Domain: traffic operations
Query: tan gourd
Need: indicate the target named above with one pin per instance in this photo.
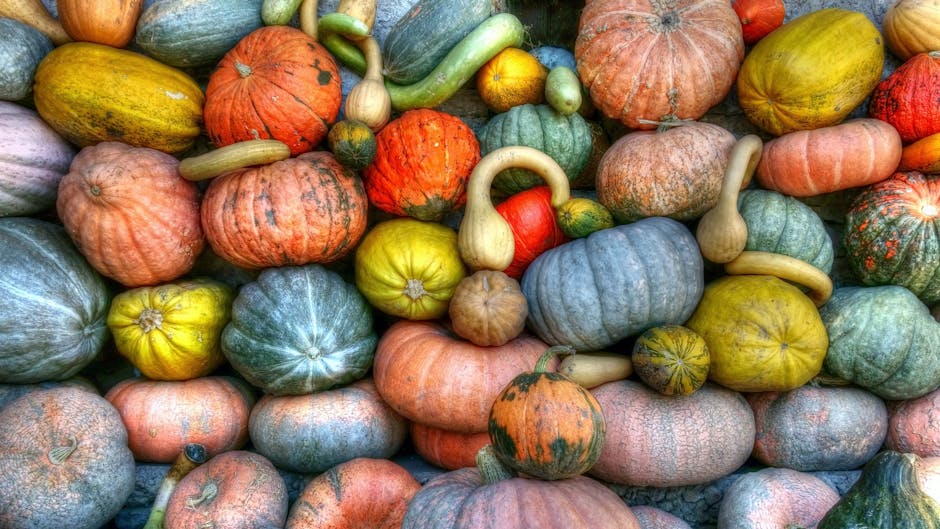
(595, 368)
(191, 456)
(484, 238)
(369, 101)
(35, 14)
(788, 268)
(307, 17)
(231, 157)
(722, 232)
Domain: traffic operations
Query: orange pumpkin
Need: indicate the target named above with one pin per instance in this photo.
(447, 449)
(512, 77)
(422, 162)
(131, 214)
(907, 97)
(644, 61)
(110, 22)
(276, 83)
(923, 155)
(534, 226)
(306, 209)
(759, 17)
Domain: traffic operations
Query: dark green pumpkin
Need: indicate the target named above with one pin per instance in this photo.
(886, 495)
(299, 329)
(21, 49)
(567, 139)
(884, 339)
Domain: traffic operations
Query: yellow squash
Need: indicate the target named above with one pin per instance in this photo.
(171, 331)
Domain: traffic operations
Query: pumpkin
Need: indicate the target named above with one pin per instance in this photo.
(21, 51)
(422, 161)
(815, 428)
(759, 17)
(37, 14)
(883, 339)
(171, 331)
(696, 48)
(890, 234)
(55, 304)
(545, 425)
(209, 410)
(10, 392)
(906, 98)
(811, 72)
(854, 153)
(445, 448)
(63, 460)
(313, 432)
(353, 143)
(909, 27)
(33, 159)
(581, 216)
(910, 425)
(923, 155)
(674, 172)
(409, 268)
(91, 93)
(131, 214)
(576, 291)
(488, 308)
(655, 518)
(458, 380)
(362, 492)
(513, 77)
(277, 83)
(671, 359)
(110, 22)
(657, 440)
(776, 497)
(236, 489)
(299, 329)
(490, 495)
(534, 224)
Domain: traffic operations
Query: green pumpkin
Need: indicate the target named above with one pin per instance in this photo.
(21, 49)
(884, 339)
(567, 139)
(353, 143)
(298, 330)
(886, 495)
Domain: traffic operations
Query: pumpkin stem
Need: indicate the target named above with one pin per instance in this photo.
(209, 491)
(149, 319)
(491, 468)
(414, 289)
(667, 122)
(243, 69)
(541, 366)
(59, 454)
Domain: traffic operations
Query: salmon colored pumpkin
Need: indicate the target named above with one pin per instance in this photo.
(907, 97)
(444, 448)
(131, 214)
(759, 17)
(776, 497)
(512, 77)
(912, 425)
(276, 83)
(534, 226)
(306, 209)
(812, 162)
(110, 22)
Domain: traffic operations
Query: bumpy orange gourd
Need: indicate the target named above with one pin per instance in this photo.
(907, 98)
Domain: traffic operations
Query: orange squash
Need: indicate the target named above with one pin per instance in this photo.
(110, 22)
(444, 448)
(923, 155)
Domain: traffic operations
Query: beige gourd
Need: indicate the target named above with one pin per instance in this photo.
(35, 14)
(232, 157)
(595, 368)
(751, 262)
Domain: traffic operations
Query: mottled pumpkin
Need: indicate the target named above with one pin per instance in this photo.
(353, 143)
(907, 97)
(776, 497)
(672, 359)
(911, 425)
(534, 226)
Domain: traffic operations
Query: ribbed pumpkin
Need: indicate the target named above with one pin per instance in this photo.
(534, 226)
(776, 497)
(907, 97)
(131, 214)
(299, 329)
(306, 209)
(513, 77)
(422, 162)
(90, 93)
(671, 359)
(445, 448)
(488, 308)
(674, 172)
(109, 22)
(891, 236)
(276, 83)
(910, 27)
(21, 51)
(910, 425)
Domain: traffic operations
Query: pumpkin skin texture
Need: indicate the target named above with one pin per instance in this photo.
(297, 330)
(592, 292)
(276, 83)
(763, 333)
(91, 93)
(534, 226)
(775, 497)
(854, 153)
(444, 448)
(360, 493)
(890, 234)
(488, 308)
(64, 460)
(696, 49)
(910, 27)
(56, 305)
(109, 22)
(306, 209)
(663, 441)
(21, 51)
(911, 425)
(656, 518)
(162, 417)
(457, 379)
(236, 489)
(883, 339)
(131, 214)
(815, 428)
(907, 97)
(423, 159)
(673, 173)
(671, 359)
(811, 72)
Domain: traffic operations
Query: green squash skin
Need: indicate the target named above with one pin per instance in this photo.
(21, 49)
(298, 330)
(567, 139)
(887, 494)
(55, 304)
(782, 224)
(884, 339)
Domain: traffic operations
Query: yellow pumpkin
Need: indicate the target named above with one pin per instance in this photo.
(172, 331)
(763, 333)
(512, 77)
(91, 93)
(672, 359)
(811, 72)
(409, 268)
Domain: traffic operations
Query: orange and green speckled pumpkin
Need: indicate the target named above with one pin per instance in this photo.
(353, 143)
(907, 98)
(545, 425)
(671, 359)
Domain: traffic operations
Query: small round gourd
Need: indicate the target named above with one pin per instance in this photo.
(513, 77)
(488, 308)
(672, 359)
(353, 143)
(581, 216)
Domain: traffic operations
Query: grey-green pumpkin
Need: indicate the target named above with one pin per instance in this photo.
(21, 49)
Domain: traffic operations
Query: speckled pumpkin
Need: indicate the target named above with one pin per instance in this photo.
(672, 359)
(907, 97)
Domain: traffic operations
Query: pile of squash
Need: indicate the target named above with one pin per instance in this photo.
(245, 238)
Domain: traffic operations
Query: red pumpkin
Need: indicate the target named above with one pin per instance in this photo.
(447, 449)
(759, 17)
(534, 226)
(276, 83)
(907, 97)
(306, 209)
(422, 162)
(912, 425)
